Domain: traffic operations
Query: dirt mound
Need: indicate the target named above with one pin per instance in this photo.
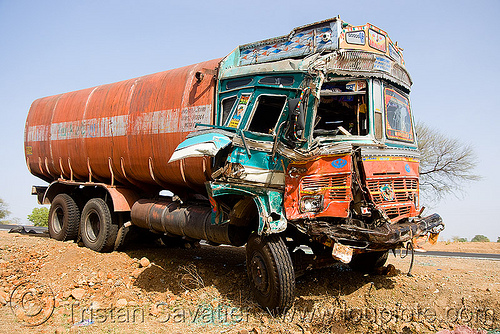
(153, 289)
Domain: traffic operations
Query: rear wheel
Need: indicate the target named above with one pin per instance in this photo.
(368, 262)
(64, 218)
(97, 229)
(270, 270)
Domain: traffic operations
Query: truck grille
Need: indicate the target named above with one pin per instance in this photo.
(404, 189)
(337, 186)
(405, 193)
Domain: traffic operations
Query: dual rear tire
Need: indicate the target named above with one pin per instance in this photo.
(64, 218)
(95, 225)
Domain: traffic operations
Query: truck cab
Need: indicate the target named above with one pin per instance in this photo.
(320, 138)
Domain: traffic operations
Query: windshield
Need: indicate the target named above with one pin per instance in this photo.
(398, 122)
(342, 109)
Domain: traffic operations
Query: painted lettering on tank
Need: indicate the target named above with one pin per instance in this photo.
(156, 122)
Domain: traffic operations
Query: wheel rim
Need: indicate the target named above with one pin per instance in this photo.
(57, 219)
(259, 273)
(93, 226)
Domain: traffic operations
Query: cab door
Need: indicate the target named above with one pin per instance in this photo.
(258, 133)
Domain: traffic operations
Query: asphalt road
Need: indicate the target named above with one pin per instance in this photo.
(456, 255)
(477, 256)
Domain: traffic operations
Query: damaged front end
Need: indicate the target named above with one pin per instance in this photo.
(313, 157)
(320, 150)
(356, 200)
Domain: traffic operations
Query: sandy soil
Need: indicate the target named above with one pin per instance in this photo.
(465, 247)
(58, 285)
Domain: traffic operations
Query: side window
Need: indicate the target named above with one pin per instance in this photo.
(398, 122)
(267, 113)
(226, 106)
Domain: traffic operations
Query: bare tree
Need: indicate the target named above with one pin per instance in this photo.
(446, 164)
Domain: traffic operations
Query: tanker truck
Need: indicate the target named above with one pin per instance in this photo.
(301, 148)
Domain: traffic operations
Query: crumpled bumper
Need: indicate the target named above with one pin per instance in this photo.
(387, 236)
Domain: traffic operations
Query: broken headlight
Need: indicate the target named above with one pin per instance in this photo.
(295, 172)
(311, 203)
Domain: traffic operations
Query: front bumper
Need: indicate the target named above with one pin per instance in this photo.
(385, 237)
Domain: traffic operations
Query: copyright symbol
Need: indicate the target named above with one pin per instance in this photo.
(32, 303)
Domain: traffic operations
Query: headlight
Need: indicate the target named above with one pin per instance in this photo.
(295, 172)
(311, 203)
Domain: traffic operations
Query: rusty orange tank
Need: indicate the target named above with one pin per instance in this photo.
(124, 131)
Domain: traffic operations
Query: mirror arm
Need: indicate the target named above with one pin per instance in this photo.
(276, 138)
(244, 140)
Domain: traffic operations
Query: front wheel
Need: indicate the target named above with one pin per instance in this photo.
(97, 229)
(270, 270)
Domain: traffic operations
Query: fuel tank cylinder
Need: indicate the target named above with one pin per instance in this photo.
(124, 132)
(187, 220)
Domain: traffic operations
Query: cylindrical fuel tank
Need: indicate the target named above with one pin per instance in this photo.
(124, 132)
(188, 220)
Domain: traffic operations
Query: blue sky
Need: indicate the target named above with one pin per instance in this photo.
(451, 49)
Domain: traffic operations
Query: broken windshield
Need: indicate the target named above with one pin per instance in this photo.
(342, 109)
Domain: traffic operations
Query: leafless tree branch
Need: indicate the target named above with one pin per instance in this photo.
(446, 164)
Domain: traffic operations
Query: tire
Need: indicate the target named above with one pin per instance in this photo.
(96, 228)
(271, 274)
(64, 218)
(368, 262)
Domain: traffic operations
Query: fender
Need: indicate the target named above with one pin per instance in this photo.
(122, 198)
(269, 203)
(201, 143)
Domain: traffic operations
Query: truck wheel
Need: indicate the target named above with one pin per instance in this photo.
(97, 229)
(368, 262)
(270, 270)
(64, 218)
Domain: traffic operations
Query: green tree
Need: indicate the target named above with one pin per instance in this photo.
(4, 212)
(498, 240)
(39, 216)
(480, 238)
(446, 164)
